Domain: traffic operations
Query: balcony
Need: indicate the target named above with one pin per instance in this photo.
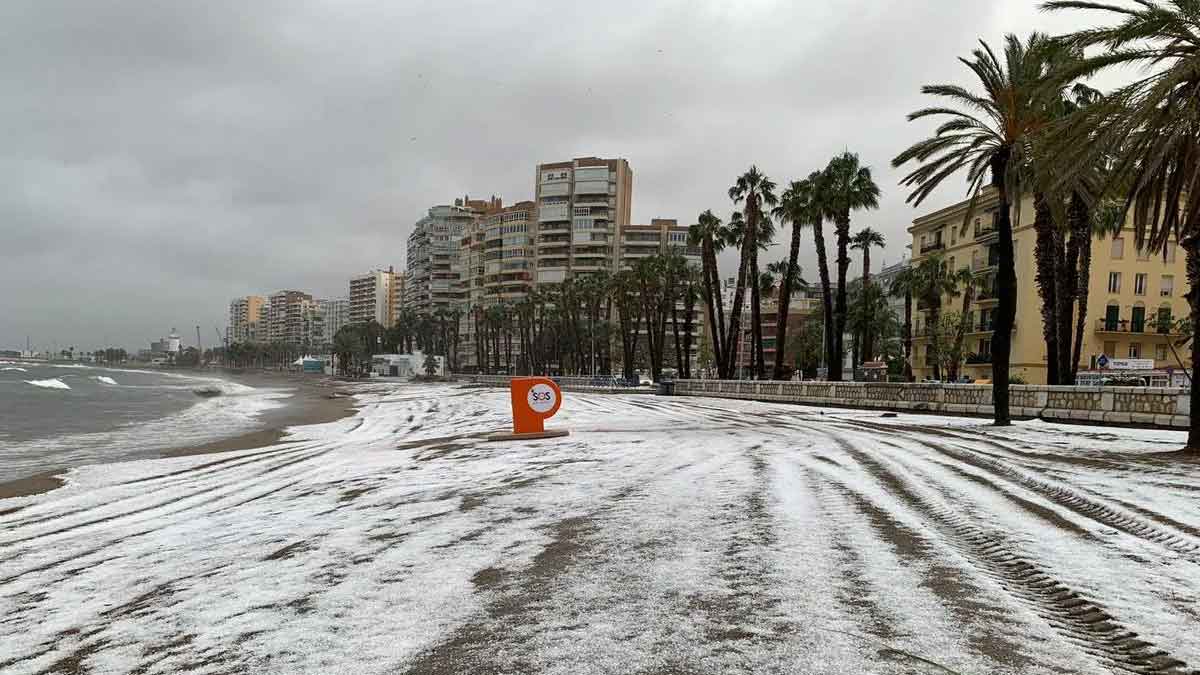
(978, 359)
(932, 246)
(984, 266)
(554, 212)
(986, 233)
(1145, 326)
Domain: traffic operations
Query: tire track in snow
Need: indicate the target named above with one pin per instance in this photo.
(1177, 542)
(1077, 618)
(978, 621)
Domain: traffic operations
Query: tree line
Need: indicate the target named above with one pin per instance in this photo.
(1089, 161)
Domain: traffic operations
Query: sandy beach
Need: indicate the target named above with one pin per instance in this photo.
(317, 400)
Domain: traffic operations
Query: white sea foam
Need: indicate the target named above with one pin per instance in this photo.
(54, 383)
(103, 379)
(14, 368)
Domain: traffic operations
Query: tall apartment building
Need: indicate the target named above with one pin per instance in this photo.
(373, 297)
(245, 317)
(335, 313)
(399, 294)
(1132, 296)
(433, 253)
(294, 318)
(496, 264)
(662, 235)
(582, 205)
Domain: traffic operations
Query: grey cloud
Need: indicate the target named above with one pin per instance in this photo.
(161, 158)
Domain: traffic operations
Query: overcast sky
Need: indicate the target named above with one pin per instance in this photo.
(160, 158)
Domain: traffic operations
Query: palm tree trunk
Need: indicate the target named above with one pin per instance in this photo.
(868, 341)
(826, 296)
(678, 342)
(784, 302)
(712, 292)
(934, 330)
(735, 313)
(689, 305)
(1044, 254)
(908, 309)
(1006, 310)
(1081, 298)
(843, 263)
(1079, 263)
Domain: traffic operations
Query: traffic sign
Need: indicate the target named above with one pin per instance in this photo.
(1102, 361)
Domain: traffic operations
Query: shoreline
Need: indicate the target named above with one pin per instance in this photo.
(319, 400)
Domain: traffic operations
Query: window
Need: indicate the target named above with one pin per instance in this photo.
(1167, 286)
(1171, 252)
(1163, 323)
(1137, 319)
(1143, 253)
(1114, 282)
(985, 347)
(1160, 352)
(1118, 248)
(1139, 283)
(1135, 350)
(1110, 349)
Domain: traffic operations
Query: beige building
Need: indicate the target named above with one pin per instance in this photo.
(582, 205)
(294, 318)
(1130, 294)
(373, 297)
(399, 294)
(496, 264)
(245, 317)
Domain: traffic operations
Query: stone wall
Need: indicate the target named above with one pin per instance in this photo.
(580, 384)
(1165, 407)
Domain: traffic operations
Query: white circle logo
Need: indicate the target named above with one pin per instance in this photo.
(542, 398)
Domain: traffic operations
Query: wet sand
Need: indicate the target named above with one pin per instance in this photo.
(317, 400)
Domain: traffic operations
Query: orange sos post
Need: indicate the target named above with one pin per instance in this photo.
(534, 400)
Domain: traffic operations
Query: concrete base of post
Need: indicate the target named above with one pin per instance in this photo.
(510, 436)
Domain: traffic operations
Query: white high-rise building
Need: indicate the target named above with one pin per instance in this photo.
(582, 205)
(335, 313)
(372, 297)
(433, 253)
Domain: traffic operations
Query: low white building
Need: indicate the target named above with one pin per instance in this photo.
(403, 365)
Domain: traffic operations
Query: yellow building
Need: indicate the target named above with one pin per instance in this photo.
(1129, 294)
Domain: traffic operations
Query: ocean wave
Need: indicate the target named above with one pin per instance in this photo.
(54, 383)
(222, 388)
(14, 368)
(102, 379)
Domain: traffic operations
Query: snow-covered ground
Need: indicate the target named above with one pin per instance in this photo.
(664, 535)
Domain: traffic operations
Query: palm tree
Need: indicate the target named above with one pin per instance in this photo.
(757, 192)
(845, 186)
(863, 240)
(988, 134)
(964, 278)
(1149, 127)
(798, 208)
(932, 280)
(708, 234)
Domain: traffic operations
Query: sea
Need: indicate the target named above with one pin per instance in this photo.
(54, 416)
